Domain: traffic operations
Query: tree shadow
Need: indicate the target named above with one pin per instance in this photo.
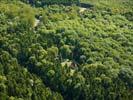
(85, 5)
(80, 4)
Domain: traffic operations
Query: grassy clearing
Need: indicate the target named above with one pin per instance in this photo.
(121, 6)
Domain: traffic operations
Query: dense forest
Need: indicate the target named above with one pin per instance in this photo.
(53, 51)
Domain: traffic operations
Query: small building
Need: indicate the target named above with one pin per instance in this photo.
(68, 63)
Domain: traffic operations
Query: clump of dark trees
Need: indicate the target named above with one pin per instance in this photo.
(49, 2)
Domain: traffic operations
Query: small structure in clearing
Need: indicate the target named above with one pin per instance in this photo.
(82, 9)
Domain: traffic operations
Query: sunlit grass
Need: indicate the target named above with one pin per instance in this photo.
(119, 6)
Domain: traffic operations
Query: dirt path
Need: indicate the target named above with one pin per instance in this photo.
(36, 22)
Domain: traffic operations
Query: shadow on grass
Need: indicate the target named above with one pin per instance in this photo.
(84, 5)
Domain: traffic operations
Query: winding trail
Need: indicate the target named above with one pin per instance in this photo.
(36, 23)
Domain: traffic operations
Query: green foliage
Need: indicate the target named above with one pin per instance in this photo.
(57, 52)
